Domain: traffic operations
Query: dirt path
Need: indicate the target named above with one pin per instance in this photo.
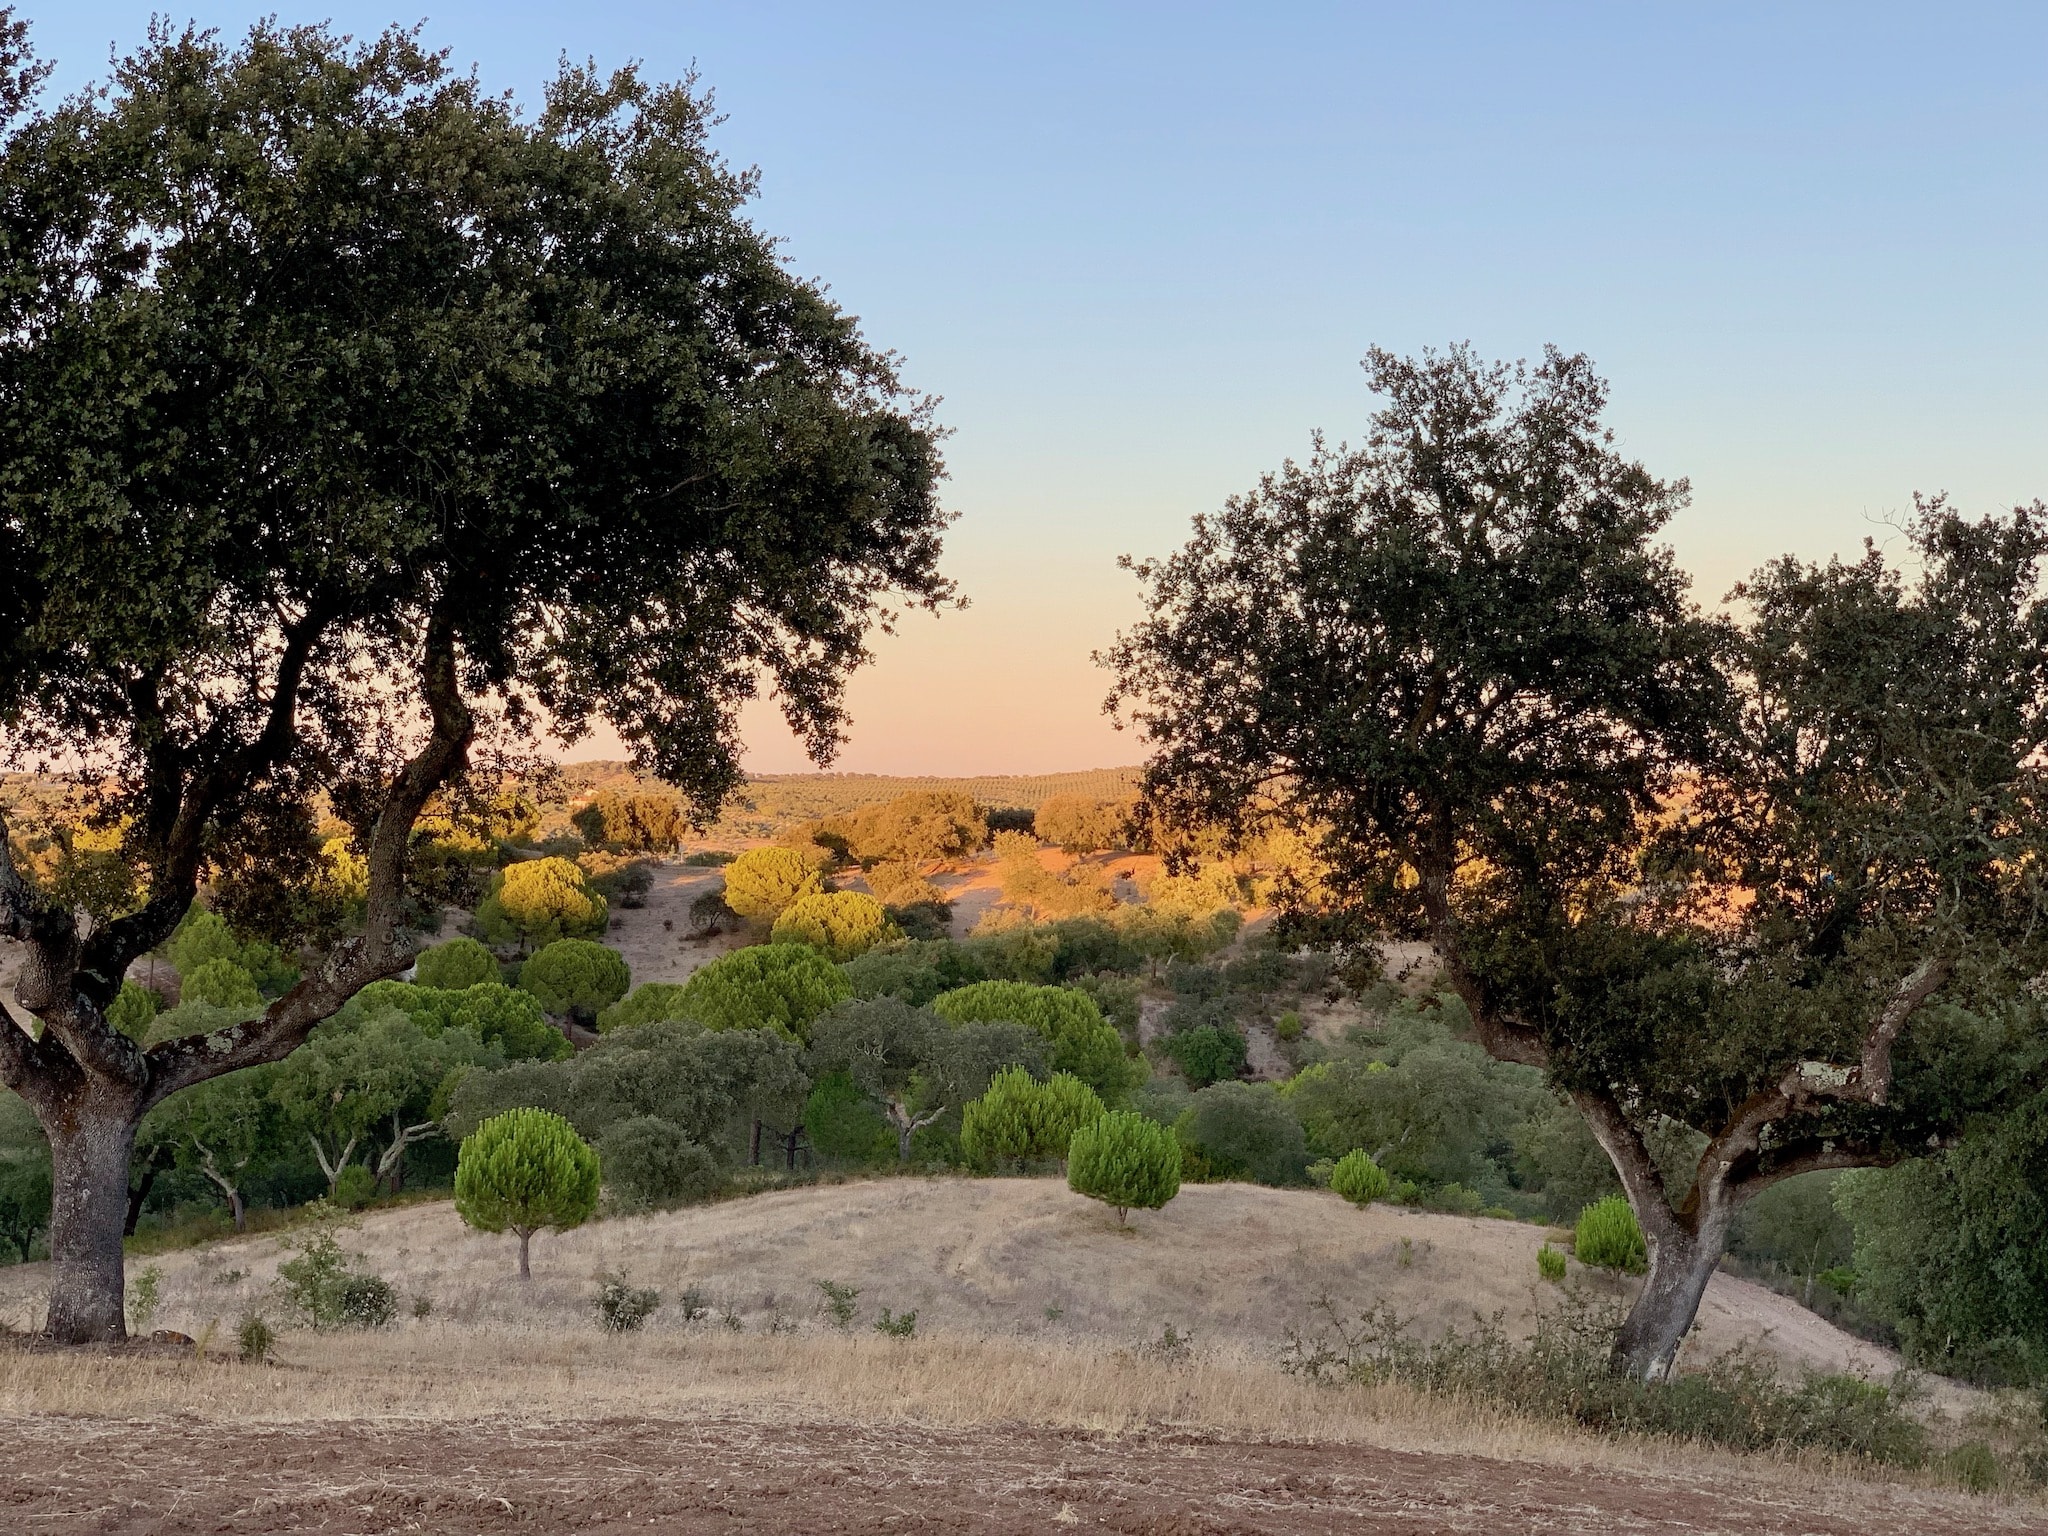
(153, 1478)
(655, 938)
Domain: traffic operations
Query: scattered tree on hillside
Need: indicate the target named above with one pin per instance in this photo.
(635, 823)
(220, 1128)
(841, 924)
(1126, 1162)
(762, 883)
(576, 977)
(402, 415)
(1078, 824)
(537, 902)
(1244, 1131)
(1083, 1043)
(894, 1053)
(522, 1171)
(765, 986)
(455, 965)
(1772, 884)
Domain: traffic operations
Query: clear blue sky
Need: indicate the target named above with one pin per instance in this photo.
(1139, 250)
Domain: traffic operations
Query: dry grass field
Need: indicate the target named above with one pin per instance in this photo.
(1034, 1395)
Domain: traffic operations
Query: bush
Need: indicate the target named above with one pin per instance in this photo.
(902, 885)
(649, 1003)
(1358, 1178)
(843, 924)
(510, 1020)
(1126, 1162)
(254, 1339)
(1018, 1119)
(620, 1307)
(328, 1287)
(1288, 1026)
(761, 884)
(576, 977)
(1083, 1042)
(1083, 825)
(133, 1010)
(538, 901)
(524, 1170)
(355, 1187)
(1245, 1131)
(647, 1161)
(221, 984)
(1609, 1237)
(199, 937)
(766, 986)
(1550, 1264)
(454, 966)
(1207, 1054)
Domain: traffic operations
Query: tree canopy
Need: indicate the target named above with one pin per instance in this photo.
(408, 417)
(1770, 882)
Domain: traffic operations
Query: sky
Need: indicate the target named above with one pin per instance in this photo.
(1139, 250)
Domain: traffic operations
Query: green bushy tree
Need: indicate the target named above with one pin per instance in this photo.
(1206, 1054)
(650, 1162)
(222, 983)
(1359, 1179)
(763, 883)
(648, 1003)
(840, 924)
(1019, 1118)
(457, 964)
(539, 902)
(1126, 1162)
(1082, 1041)
(133, 1010)
(523, 1171)
(1609, 1237)
(454, 337)
(765, 986)
(1245, 1131)
(576, 977)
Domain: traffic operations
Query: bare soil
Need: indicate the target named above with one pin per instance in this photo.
(740, 1474)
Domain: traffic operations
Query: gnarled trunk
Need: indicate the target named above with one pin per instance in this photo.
(1682, 1261)
(88, 1207)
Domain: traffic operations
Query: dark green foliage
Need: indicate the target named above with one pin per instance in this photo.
(1359, 1179)
(455, 965)
(1564, 1373)
(133, 1009)
(1125, 1161)
(254, 1339)
(1608, 1237)
(916, 1068)
(1952, 1252)
(1206, 1054)
(649, 1162)
(1245, 1131)
(24, 1200)
(1082, 1042)
(636, 823)
(500, 1016)
(712, 1084)
(621, 1306)
(842, 1121)
(1795, 1229)
(354, 1188)
(897, 1326)
(576, 977)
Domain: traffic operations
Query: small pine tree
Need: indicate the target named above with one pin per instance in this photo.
(1065, 1104)
(223, 983)
(762, 883)
(1002, 1125)
(1125, 1161)
(577, 977)
(843, 924)
(1359, 1179)
(524, 1170)
(1609, 1237)
(455, 966)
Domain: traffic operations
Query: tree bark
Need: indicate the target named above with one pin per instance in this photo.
(88, 1183)
(138, 1194)
(1681, 1263)
(525, 1235)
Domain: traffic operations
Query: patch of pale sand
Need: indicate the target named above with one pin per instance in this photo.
(1235, 1265)
(658, 953)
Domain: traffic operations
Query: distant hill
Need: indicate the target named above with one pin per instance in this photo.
(773, 802)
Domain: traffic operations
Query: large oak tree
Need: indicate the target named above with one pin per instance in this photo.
(352, 421)
(1767, 890)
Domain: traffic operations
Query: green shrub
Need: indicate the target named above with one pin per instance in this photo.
(647, 1161)
(1245, 1131)
(1974, 1466)
(1550, 1263)
(761, 884)
(1358, 1178)
(453, 966)
(1126, 1162)
(1288, 1025)
(576, 977)
(652, 1002)
(1065, 1104)
(221, 984)
(842, 1122)
(843, 924)
(840, 1302)
(511, 1020)
(1609, 1237)
(329, 1288)
(524, 1170)
(622, 1308)
(145, 1295)
(133, 1009)
(1018, 1118)
(354, 1188)
(254, 1339)
(1207, 1054)
(897, 1327)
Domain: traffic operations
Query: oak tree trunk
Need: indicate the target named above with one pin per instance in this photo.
(1681, 1264)
(89, 1155)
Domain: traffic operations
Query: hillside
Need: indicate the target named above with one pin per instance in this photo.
(1234, 1266)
